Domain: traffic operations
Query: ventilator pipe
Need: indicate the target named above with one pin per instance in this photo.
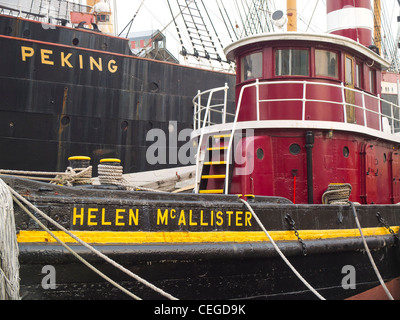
(309, 148)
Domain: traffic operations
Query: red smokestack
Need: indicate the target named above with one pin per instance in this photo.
(352, 19)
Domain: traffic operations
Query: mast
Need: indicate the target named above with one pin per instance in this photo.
(378, 24)
(292, 15)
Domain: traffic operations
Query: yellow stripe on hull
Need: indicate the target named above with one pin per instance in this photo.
(108, 237)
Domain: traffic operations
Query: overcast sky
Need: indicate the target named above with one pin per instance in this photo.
(155, 14)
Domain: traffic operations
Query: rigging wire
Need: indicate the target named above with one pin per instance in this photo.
(223, 19)
(230, 22)
(131, 22)
(215, 31)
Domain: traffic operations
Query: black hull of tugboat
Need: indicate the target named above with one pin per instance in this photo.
(200, 246)
(208, 272)
(67, 92)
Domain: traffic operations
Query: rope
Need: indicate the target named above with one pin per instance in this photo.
(111, 174)
(280, 252)
(69, 177)
(9, 265)
(92, 249)
(369, 253)
(73, 252)
(74, 176)
(337, 193)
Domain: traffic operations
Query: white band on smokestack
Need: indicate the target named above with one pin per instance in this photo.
(350, 18)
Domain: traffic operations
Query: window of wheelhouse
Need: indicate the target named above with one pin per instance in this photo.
(292, 62)
(251, 66)
(349, 75)
(359, 75)
(372, 80)
(326, 63)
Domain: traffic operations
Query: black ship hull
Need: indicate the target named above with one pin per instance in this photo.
(200, 246)
(67, 92)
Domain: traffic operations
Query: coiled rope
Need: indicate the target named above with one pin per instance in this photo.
(280, 252)
(337, 193)
(19, 199)
(109, 174)
(9, 265)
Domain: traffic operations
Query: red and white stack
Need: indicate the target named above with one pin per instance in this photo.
(352, 19)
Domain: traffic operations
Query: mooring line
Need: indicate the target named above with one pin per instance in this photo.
(90, 266)
(369, 253)
(17, 196)
(280, 252)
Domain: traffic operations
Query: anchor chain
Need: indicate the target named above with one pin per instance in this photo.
(292, 225)
(384, 223)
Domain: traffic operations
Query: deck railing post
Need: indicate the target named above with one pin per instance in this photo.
(303, 117)
(225, 102)
(364, 110)
(258, 99)
(379, 113)
(344, 102)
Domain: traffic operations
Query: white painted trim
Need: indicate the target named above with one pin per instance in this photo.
(297, 124)
(350, 18)
(301, 36)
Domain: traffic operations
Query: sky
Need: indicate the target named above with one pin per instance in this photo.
(155, 14)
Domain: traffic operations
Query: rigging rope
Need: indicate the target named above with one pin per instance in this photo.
(9, 265)
(280, 252)
(369, 253)
(86, 245)
(90, 266)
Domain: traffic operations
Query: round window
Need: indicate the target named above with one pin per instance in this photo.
(295, 149)
(346, 152)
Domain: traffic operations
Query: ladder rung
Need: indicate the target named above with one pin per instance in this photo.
(214, 163)
(217, 148)
(215, 176)
(222, 136)
(219, 191)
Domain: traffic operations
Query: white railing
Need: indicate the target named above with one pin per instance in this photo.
(375, 102)
(210, 107)
(388, 123)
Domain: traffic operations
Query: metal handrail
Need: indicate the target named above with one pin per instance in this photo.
(377, 99)
(257, 84)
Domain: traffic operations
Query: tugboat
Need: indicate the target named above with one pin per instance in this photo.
(295, 192)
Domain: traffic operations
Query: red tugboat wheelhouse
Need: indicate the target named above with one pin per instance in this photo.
(313, 103)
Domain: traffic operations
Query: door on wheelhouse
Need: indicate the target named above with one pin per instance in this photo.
(350, 94)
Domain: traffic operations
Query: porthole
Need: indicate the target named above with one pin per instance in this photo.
(154, 87)
(75, 41)
(346, 152)
(295, 149)
(26, 33)
(65, 120)
(124, 125)
(260, 153)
